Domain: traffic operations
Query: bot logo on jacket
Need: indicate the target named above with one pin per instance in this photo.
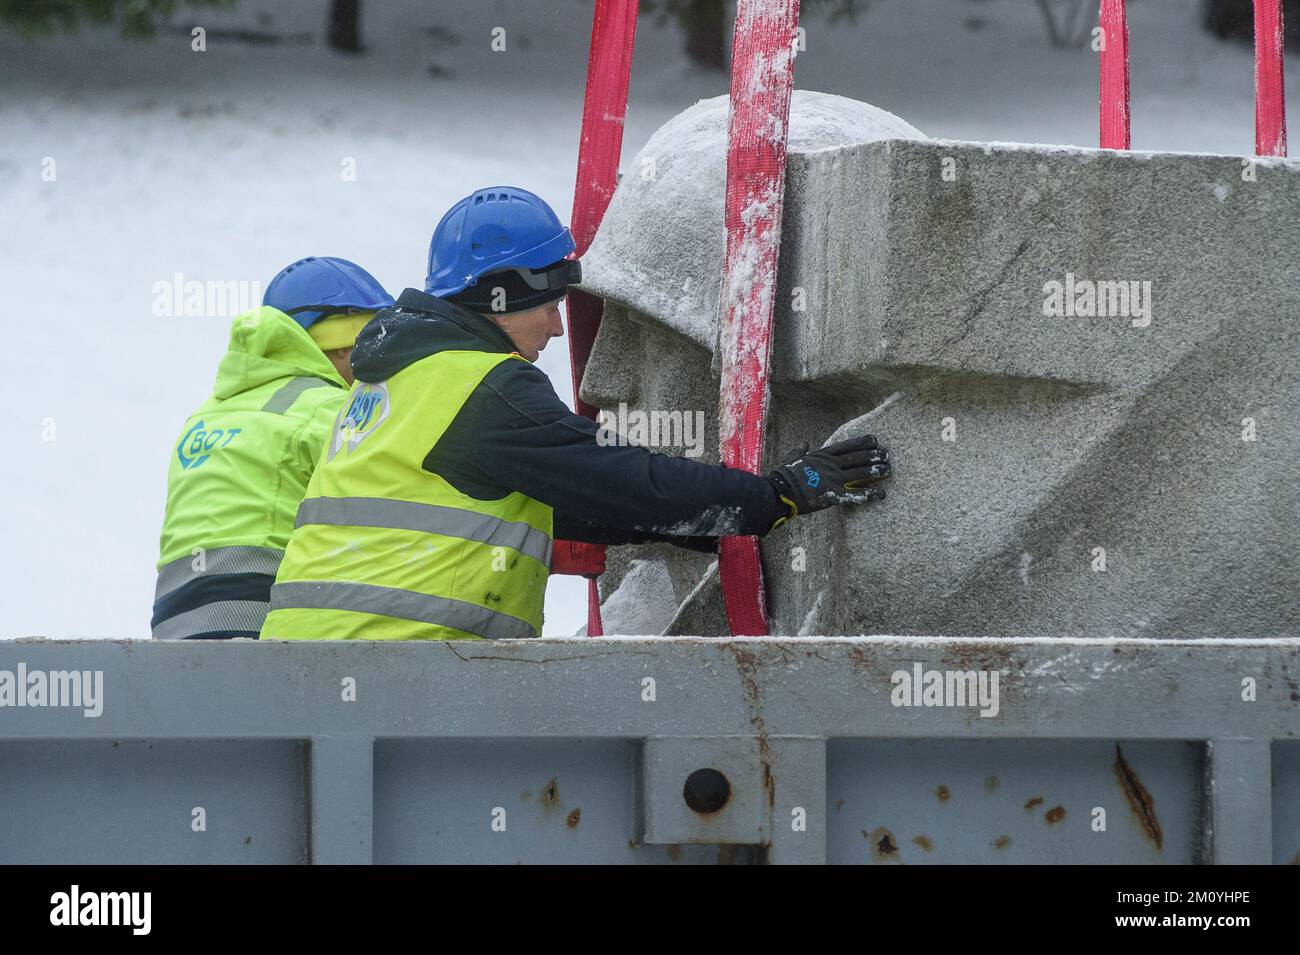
(361, 417)
(198, 444)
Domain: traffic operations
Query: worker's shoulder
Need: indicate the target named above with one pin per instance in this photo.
(518, 374)
(523, 387)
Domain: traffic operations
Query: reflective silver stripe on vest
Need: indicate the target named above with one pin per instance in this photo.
(281, 401)
(429, 518)
(393, 602)
(218, 560)
(221, 615)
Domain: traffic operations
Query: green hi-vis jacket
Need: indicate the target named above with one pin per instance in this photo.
(238, 473)
(386, 550)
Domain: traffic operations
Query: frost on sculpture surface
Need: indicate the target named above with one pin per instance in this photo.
(1085, 365)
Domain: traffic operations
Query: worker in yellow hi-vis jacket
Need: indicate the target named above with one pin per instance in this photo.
(241, 465)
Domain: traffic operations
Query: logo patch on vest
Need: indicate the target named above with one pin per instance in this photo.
(199, 443)
(361, 417)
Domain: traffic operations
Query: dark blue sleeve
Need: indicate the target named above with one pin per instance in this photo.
(515, 434)
(570, 528)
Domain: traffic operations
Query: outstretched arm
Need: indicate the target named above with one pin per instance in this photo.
(515, 434)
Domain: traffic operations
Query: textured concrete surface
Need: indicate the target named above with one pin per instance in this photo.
(1056, 474)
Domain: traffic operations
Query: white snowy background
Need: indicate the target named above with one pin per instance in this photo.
(226, 165)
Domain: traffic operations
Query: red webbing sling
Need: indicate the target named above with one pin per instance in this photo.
(609, 68)
(1114, 100)
(1270, 87)
(762, 76)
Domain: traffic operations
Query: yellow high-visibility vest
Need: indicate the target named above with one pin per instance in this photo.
(385, 550)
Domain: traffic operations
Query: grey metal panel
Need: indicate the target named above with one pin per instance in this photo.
(776, 795)
(105, 801)
(341, 799)
(1238, 790)
(798, 769)
(557, 800)
(816, 687)
(1001, 801)
(667, 764)
(400, 752)
(1286, 803)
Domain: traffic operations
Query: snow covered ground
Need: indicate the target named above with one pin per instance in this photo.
(228, 164)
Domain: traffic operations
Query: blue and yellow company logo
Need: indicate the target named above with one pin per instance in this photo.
(366, 410)
(199, 443)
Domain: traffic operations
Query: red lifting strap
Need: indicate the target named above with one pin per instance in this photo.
(1114, 76)
(609, 69)
(1270, 87)
(762, 76)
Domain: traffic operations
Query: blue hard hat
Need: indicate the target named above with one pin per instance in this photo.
(498, 228)
(317, 286)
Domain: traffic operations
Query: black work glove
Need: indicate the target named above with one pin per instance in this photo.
(840, 473)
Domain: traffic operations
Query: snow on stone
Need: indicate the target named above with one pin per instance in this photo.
(681, 206)
(809, 625)
(644, 602)
(857, 426)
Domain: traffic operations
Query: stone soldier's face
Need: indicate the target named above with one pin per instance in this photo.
(531, 330)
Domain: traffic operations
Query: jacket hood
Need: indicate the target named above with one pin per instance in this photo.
(418, 326)
(266, 345)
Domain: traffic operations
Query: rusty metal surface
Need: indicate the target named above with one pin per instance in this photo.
(580, 751)
(1009, 801)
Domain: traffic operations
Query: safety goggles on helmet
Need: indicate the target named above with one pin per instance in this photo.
(564, 273)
